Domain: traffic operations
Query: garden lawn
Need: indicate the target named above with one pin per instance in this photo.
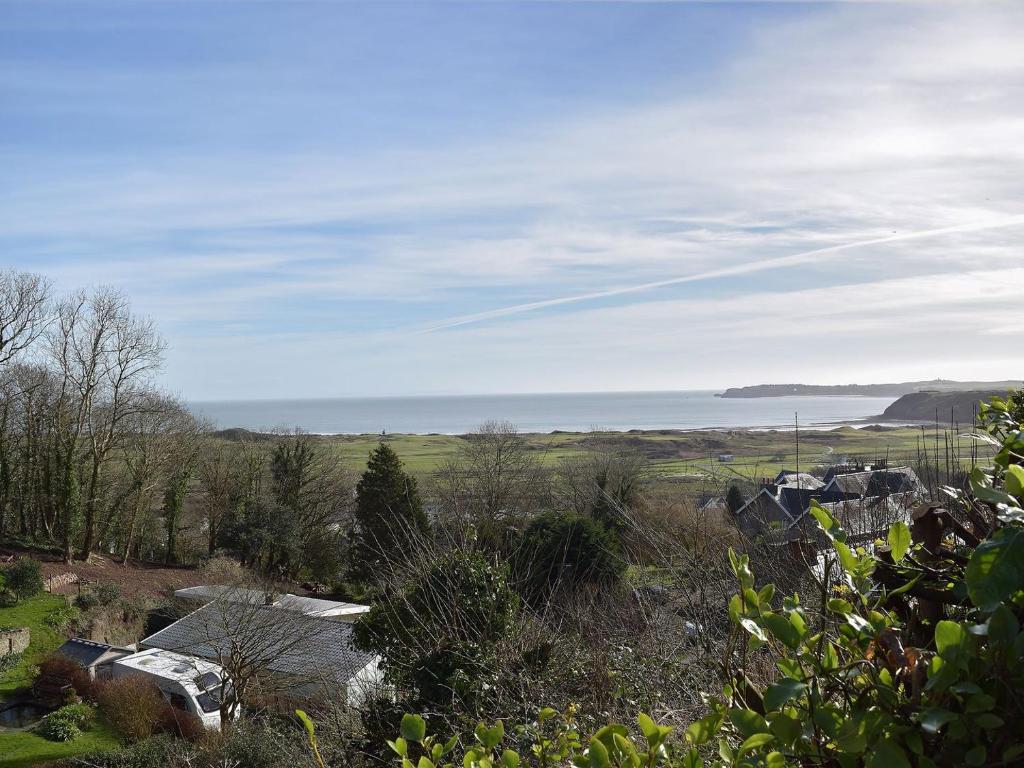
(30, 613)
(20, 748)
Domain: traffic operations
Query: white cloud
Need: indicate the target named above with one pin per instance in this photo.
(859, 123)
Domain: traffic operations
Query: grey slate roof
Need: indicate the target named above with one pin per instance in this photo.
(877, 482)
(88, 652)
(287, 643)
(796, 500)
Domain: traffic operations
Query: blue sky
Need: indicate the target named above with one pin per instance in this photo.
(328, 198)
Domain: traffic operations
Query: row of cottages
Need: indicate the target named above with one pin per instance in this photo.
(302, 647)
(866, 501)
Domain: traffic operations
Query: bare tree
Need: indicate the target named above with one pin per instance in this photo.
(24, 298)
(105, 357)
(151, 433)
(497, 477)
(608, 472)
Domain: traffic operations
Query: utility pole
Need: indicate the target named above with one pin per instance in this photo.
(796, 425)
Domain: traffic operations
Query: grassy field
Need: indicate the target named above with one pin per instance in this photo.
(20, 748)
(30, 613)
(683, 457)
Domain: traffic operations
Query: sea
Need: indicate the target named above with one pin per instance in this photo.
(566, 412)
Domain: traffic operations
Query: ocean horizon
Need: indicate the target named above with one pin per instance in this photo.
(540, 413)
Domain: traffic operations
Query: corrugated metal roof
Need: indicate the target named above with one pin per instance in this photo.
(312, 606)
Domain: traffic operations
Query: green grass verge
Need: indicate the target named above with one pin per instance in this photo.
(30, 613)
(21, 748)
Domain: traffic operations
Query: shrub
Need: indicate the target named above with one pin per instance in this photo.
(10, 661)
(61, 617)
(437, 632)
(67, 723)
(24, 578)
(184, 725)
(568, 549)
(67, 672)
(162, 750)
(133, 705)
(99, 594)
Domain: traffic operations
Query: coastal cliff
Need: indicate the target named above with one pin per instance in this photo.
(947, 407)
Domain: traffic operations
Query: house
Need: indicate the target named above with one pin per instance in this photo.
(712, 503)
(763, 515)
(308, 606)
(96, 658)
(865, 501)
(301, 654)
(872, 482)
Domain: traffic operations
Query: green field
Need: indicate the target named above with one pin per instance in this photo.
(688, 457)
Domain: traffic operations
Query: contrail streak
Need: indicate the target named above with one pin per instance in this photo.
(739, 269)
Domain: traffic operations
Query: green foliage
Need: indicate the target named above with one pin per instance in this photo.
(734, 499)
(551, 740)
(389, 512)
(564, 548)
(62, 617)
(437, 634)
(9, 661)
(23, 578)
(98, 595)
(311, 734)
(67, 723)
(174, 506)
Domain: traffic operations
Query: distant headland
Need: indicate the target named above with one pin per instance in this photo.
(867, 390)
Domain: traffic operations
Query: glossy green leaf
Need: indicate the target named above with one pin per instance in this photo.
(780, 627)
(754, 742)
(785, 690)
(413, 728)
(949, 637)
(899, 540)
(996, 568)
(748, 722)
(933, 719)
(886, 754)
(598, 755)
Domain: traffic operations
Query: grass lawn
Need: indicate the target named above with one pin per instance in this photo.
(18, 749)
(30, 613)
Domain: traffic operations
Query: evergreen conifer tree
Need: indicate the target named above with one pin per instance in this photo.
(734, 499)
(389, 512)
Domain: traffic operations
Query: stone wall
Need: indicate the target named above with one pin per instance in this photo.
(14, 640)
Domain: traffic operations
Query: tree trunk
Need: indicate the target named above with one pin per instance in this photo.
(89, 526)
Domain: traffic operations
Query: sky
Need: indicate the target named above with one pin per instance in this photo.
(319, 199)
